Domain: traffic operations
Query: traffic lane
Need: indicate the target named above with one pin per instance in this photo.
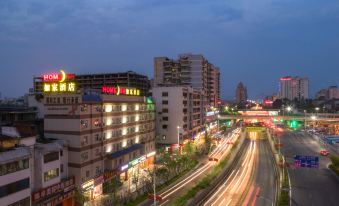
(311, 147)
(232, 189)
(309, 186)
(266, 180)
(170, 194)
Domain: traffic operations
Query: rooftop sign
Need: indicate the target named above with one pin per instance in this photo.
(120, 91)
(61, 82)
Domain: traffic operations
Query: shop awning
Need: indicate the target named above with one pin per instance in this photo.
(125, 151)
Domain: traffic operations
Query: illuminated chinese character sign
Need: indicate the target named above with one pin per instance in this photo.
(62, 82)
(120, 91)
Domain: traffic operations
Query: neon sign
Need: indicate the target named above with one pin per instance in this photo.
(54, 83)
(58, 77)
(120, 91)
(285, 78)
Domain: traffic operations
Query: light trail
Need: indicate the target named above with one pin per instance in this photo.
(222, 149)
(236, 182)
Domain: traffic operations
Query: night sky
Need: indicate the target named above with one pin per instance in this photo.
(253, 41)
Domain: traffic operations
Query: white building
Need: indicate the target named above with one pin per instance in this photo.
(31, 171)
(177, 106)
(294, 88)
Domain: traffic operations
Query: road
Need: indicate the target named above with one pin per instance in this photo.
(252, 180)
(310, 187)
(169, 194)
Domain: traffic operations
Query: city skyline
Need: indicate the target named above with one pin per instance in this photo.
(263, 40)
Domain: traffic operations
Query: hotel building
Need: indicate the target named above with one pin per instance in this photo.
(109, 132)
(294, 88)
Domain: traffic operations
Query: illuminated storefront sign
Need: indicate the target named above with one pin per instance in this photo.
(120, 91)
(54, 83)
(54, 189)
(124, 167)
(88, 185)
(150, 154)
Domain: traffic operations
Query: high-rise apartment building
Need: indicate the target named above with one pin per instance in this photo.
(179, 112)
(241, 93)
(327, 94)
(192, 70)
(294, 88)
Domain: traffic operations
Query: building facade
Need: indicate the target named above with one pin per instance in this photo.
(328, 94)
(33, 173)
(192, 70)
(111, 131)
(294, 88)
(241, 93)
(179, 113)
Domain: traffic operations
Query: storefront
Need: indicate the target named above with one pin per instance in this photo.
(93, 188)
(61, 193)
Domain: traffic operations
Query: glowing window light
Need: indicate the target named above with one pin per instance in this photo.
(109, 121)
(109, 148)
(137, 118)
(124, 119)
(137, 128)
(124, 107)
(124, 143)
(137, 107)
(108, 108)
(124, 131)
(137, 139)
(109, 135)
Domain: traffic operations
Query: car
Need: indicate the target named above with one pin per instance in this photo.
(324, 152)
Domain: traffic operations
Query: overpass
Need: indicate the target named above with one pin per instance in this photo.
(330, 117)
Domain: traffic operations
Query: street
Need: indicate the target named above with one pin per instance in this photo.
(310, 186)
(252, 180)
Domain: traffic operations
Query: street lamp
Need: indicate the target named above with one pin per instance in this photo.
(289, 108)
(178, 127)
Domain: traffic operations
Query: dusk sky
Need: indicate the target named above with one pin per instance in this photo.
(253, 41)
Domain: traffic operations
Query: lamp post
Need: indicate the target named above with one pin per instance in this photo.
(305, 120)
(154, 197)
(178, 127)
(317, 110)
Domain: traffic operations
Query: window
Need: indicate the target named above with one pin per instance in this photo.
(165, 118)
(14, 166)
(164, 126)
(97, 170)
(84, 140)
(165, 94)
(84, 156)
(84, 123)
(14, 187)
(61, 152)
(164, 110)
(87, 173)
(52, 156)
(164, 102)
(51, 174)
(24, 202)
(83, 108)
